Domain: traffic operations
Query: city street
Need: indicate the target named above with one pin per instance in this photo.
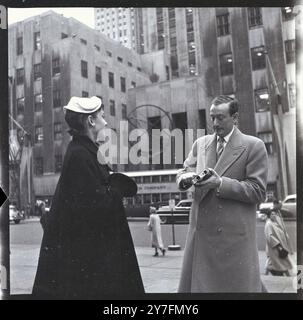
(30, 233)
(158, 274)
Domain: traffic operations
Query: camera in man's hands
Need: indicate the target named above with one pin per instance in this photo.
(203, 176)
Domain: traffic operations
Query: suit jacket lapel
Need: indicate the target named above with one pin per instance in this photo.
(231, 153)
(211, 153)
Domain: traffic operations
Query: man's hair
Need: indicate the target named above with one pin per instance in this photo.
(232, 103)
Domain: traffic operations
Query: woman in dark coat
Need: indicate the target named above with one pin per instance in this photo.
(87, 251)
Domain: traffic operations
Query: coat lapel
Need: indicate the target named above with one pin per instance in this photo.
(231, 153)
(211, 153)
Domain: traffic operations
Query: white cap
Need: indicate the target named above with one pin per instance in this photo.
(84, 105)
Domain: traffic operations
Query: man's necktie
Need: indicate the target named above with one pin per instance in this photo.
(220, 147)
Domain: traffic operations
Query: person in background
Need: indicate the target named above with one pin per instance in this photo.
(154, 225)
(278, 261)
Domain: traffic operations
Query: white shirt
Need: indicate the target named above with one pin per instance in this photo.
(227, 137)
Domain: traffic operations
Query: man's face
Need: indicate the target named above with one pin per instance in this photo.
(222, 121)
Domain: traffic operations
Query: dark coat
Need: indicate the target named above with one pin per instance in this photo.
(87, 250)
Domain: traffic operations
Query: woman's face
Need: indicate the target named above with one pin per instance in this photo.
(99, 124)
(273, 217)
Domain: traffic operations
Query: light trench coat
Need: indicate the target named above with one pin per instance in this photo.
(276, 234)
(221, 250)
(154, 226)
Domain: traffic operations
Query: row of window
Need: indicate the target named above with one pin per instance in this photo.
(38, 165)
(150, 198)
(58, 133)
(258, 59)
(111, 76)
(254, 19)
(56, 60)
(155, 179)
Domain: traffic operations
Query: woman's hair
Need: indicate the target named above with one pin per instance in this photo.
(77, 122)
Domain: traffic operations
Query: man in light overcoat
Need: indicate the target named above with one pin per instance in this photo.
(221, 249)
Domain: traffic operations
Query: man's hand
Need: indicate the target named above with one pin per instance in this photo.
(214, 181)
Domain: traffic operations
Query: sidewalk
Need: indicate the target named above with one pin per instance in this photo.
(159, 274)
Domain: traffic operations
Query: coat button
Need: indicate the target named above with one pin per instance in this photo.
(219, 230)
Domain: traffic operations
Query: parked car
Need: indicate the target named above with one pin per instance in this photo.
(289, 207)
(180, 214)
(14, 214)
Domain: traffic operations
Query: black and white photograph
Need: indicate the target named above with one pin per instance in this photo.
(150, 150)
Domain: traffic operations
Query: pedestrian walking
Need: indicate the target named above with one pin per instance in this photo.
(87, 250)
(154, 225)
(278, 250)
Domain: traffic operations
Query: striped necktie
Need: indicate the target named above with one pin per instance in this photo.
(220, 147)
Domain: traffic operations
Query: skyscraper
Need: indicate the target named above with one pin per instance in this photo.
(117, 24)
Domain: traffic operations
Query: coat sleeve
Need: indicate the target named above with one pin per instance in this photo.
(253, 188)
(189, 167)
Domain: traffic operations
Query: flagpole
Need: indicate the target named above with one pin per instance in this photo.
(277, 123)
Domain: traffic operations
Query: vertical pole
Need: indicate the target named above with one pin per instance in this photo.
(173, 225)
(4, 162)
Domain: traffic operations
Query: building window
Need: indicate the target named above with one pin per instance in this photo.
(37, 71)
(20, 76)
(258, 58)
(111, 80)
(254, 17)
(129, 64)
(133, 84)
(124, 111)
(58, 163)
(226, 64)
(97, 47)
(38, 167)
(83, 41)
(56, 66)
(20, 106)
(19, 45)
(223, 25)
(63, 35)
(112, 108)
(122, 82)
(167, 72)
(37, 41)
(38, 134)
(262, 100)
(98, 75)
(38, 102)
(84, 94)
(109, 54)
(290, 51)
(57, 131)
(267, 138)
(84, 69)
(56, 98)
(120, 59)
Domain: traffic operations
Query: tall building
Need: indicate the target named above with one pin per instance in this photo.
(248, 53)
(52, 58)
(118, 24)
